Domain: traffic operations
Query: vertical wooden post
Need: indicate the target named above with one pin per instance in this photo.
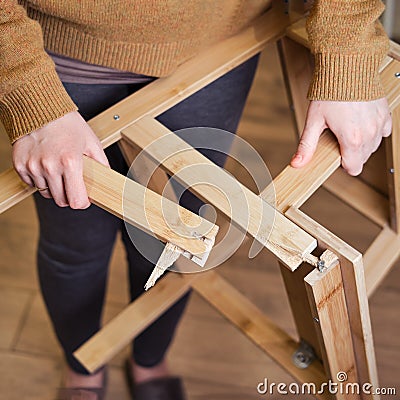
(300, 306)
(393, 167)
(327, 299)
(297, 71)
(257, 326)
(354, 287)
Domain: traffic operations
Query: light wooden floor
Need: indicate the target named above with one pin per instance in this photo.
(216, 361)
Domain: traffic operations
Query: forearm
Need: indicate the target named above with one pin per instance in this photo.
(349, 44)
(31, 94)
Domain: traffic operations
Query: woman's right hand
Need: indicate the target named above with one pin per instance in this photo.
(51, 158)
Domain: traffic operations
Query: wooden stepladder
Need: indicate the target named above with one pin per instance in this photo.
(328, 295)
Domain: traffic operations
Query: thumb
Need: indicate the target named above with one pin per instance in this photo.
(96, 152)
(99, 155)
(307, 146)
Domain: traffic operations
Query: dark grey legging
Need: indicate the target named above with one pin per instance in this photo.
(75, 245)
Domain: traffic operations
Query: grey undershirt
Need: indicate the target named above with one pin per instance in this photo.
(74, 71)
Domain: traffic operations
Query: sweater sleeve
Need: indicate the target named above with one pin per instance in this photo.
(31, 94)
(349, 44)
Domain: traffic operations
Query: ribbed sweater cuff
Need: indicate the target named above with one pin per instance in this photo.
(34, 105)
(341, 77)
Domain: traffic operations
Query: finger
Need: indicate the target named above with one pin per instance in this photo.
(41, 185)
(377, 143)
(307, 146)
(97, 153)
(26, 178)
(20, 168)
(352, 160)
(56, 187)
(351, 168)
(75, 188)
(387, 128)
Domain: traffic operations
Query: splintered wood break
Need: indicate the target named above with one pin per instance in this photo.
(169, 255)
(322, 263)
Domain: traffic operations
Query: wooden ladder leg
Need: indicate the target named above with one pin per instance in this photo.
(297, 69)
(319, 309)
(258, 327)
(300, 306)
(393, 166)
(329, 311)
(352, 272)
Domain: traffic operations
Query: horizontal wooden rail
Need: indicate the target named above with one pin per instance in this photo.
(294, 186)
(118, 333)
(360, 196)
(164, 93)
(12, 190)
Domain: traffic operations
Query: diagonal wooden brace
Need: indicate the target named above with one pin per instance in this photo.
(189, 167)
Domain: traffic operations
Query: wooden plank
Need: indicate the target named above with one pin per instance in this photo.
(164, 93)
(114, 336)
(146, 209)
(253, 323)
(394, 50)
(158, 181)
(297, 32)
(326, 294)
(355, 292)
(129, 152)
(293, 186)
(360, 196)
(380, 257)
(12, 190)
(246, 209)
(391, 83)
(393, 171)
(300, 305)
(297, 69)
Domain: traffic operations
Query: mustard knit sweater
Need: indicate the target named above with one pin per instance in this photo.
(153, 37)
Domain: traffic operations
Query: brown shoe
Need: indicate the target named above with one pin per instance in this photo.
(84, 393)
(169, 388)
(81, 394)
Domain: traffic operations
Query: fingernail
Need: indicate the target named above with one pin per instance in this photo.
(297, 157)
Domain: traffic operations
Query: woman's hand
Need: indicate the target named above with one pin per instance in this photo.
(358, 126)
(51, 158)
